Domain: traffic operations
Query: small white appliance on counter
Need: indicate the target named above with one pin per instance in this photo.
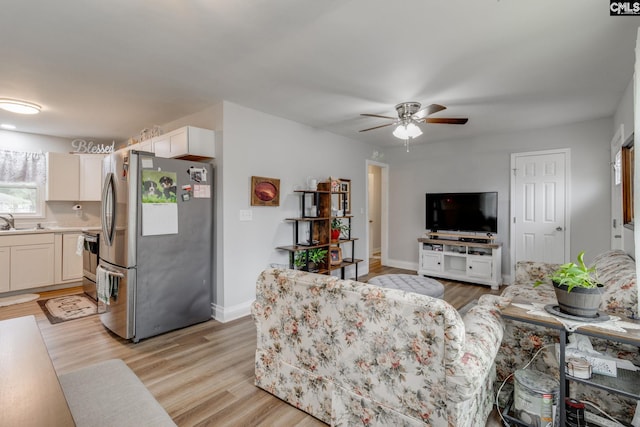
(156, 244)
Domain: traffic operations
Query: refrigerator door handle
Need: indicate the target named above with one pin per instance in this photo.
(108, 208)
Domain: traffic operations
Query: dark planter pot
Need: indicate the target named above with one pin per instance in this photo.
(581, 302)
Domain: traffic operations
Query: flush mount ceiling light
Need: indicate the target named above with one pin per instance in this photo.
(20, 107)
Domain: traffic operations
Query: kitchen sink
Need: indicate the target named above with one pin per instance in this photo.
(22, 229)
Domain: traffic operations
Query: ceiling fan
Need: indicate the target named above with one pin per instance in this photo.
(410, 115)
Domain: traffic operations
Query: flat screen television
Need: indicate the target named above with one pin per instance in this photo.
(471, 212)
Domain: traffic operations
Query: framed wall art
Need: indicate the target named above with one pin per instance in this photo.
(265, 191)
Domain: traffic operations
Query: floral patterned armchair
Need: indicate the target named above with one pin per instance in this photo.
(351, 353)
(616, 271)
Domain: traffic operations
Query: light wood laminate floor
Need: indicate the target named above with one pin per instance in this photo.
(202, 375)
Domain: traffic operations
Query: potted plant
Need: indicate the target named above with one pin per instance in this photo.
(337, 227)
(577, 288)
(310, 260)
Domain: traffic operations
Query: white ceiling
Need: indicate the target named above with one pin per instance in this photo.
(107, 69)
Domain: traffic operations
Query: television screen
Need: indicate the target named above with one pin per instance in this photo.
(476, 212)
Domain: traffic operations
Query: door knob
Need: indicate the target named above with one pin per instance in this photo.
(558, 228)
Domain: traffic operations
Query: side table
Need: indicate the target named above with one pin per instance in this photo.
(628, 386)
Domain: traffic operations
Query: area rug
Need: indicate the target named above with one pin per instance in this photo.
(17, 299)
(68, 307)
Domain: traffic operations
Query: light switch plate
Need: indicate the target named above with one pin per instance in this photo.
(246, 215)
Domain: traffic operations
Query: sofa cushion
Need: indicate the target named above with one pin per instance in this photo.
(617, 272)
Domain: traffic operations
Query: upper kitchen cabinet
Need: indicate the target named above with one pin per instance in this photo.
(74, 177)
(63, 172)
(146, 145)
(90, 177)
(189, 143)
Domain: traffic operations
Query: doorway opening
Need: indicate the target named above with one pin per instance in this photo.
(377, 213)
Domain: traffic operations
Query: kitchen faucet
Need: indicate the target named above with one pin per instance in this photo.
(11, 222)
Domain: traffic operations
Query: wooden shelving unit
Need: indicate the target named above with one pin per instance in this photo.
(312, 230)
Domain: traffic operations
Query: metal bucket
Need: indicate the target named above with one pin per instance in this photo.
(534, 397)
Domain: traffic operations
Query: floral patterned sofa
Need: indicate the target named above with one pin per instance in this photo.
(350, 353)
(617, 271)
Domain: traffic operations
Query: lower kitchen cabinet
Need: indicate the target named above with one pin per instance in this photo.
(31, 266)
(68, 264)
(26, 261)
(5, 265)
(38, 260)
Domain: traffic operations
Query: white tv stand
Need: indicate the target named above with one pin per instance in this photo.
(468, 258)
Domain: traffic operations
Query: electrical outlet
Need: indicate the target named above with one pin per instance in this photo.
(598, 420)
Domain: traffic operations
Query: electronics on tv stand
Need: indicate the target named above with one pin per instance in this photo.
(473, 240)
(455, 237)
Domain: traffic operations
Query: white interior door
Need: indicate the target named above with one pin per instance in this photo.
(617, 234)
(540, 226)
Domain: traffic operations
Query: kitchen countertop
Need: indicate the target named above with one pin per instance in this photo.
(51, 229)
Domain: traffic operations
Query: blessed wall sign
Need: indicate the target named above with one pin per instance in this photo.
(90, 147)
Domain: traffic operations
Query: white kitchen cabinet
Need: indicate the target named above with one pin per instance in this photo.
(146, 145)
(74, 177)
(32, 262)
(90, 177)
(188, 142)
(69, 262)
(5, 265)
(63, 172)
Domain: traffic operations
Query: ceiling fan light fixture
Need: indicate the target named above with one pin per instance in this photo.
(19, 107)
(406, 131)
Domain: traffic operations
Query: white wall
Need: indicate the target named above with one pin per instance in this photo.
(624, 116)
(482, 164)
(31, 142)
(260, 144)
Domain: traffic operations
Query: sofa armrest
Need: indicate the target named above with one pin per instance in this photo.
(483, 334)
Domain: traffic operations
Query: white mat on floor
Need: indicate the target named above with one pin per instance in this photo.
(17, 299)
(110, 394)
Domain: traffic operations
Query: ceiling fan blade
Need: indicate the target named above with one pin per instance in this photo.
(377, 127)
(446, 121)
(379, 116)
(428, 110)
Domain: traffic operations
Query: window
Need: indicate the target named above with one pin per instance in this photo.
(627, 185)
(21, 199)
(22, 181)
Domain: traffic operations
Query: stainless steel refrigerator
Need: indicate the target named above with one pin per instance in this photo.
(156, 249)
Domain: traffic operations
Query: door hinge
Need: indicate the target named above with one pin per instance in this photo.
(515, 173)
(514, 219)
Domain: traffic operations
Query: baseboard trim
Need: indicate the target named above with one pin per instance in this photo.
(227, 314)
(401, 264)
